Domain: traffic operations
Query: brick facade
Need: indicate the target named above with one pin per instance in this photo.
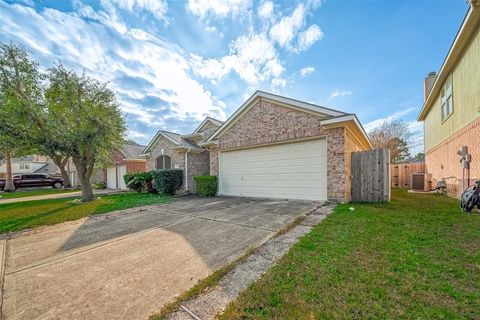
(198, 165)
(135, 166)
(177, 158)
(266, 123)
(444, 162)
(214, 161)
(208, 130)
(198, 162)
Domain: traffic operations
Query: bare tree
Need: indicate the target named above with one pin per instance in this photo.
(394, 135)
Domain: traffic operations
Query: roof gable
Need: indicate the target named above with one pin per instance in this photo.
(278, 100)
(205, 122)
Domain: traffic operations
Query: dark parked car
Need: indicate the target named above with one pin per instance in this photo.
(34, 180)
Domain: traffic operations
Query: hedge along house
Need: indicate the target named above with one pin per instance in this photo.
(451, 110)
(169, 150)
(277, 147)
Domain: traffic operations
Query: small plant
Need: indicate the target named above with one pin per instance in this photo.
(207, 186)
(167, 181)
(99, 185)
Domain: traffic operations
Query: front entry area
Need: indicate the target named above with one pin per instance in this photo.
(295, 170)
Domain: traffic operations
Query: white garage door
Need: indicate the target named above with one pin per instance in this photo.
(122, 170)
(289, 171)
(112, 178)
(115, 177)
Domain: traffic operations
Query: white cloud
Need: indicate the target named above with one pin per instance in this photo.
(306, 71)
(309, 37)
(265, 10)
(157, 7)
(211, 29)
(397, 115)
(218, 8)
(156, 69)
(285, 30)
(132, 134)
(278, 83)
(253, 58)
(336, 94)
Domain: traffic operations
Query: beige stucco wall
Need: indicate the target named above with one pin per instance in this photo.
(466, 98)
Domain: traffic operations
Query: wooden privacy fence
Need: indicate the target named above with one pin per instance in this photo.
(371, 176)
(402, 173)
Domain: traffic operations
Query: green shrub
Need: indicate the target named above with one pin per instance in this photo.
(139, 181)
(206, 185)
(167, 180)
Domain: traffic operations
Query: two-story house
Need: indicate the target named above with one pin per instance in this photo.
(451, 110)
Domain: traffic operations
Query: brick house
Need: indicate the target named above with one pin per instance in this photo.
(125, 160)
(272, 146)
(278, 147)
(451, 110)
(168, 150)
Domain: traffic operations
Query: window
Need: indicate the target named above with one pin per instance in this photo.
(163, 162)
(24, 165)
(446, 99)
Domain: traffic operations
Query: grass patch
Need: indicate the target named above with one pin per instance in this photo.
(29, 214)
(31, 193)
(417, 257)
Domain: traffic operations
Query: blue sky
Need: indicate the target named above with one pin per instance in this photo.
(173, 63)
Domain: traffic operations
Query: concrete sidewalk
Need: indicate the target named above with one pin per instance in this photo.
(61, 195)
(128, 264)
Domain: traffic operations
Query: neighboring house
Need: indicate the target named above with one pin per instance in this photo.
(168, 150)
(30, 164)
(125, 160)
(277, 147)
(451, 110)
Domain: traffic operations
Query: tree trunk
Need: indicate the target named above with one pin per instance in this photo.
(9, 186)
(84, 170)
(87, 192)
(61, 163)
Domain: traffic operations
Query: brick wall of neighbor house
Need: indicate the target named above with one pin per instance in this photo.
(198, 165)
(267, 123)
(135, 166)
(214, 161)
(178, 158)
(443, 160)
(208, 130)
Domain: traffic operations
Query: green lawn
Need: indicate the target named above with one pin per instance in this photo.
(22, 215)
(30, 193)
(417, 257)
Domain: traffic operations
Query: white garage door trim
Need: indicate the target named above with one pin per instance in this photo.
(115, 177)
(293, 170)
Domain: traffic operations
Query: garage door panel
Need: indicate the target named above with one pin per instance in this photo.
(295, 170)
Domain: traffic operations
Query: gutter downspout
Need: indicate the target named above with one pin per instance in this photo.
(186, 169)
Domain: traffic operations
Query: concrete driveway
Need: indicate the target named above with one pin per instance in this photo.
(128, 264)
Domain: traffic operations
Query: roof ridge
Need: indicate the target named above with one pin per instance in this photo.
(301, 101)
